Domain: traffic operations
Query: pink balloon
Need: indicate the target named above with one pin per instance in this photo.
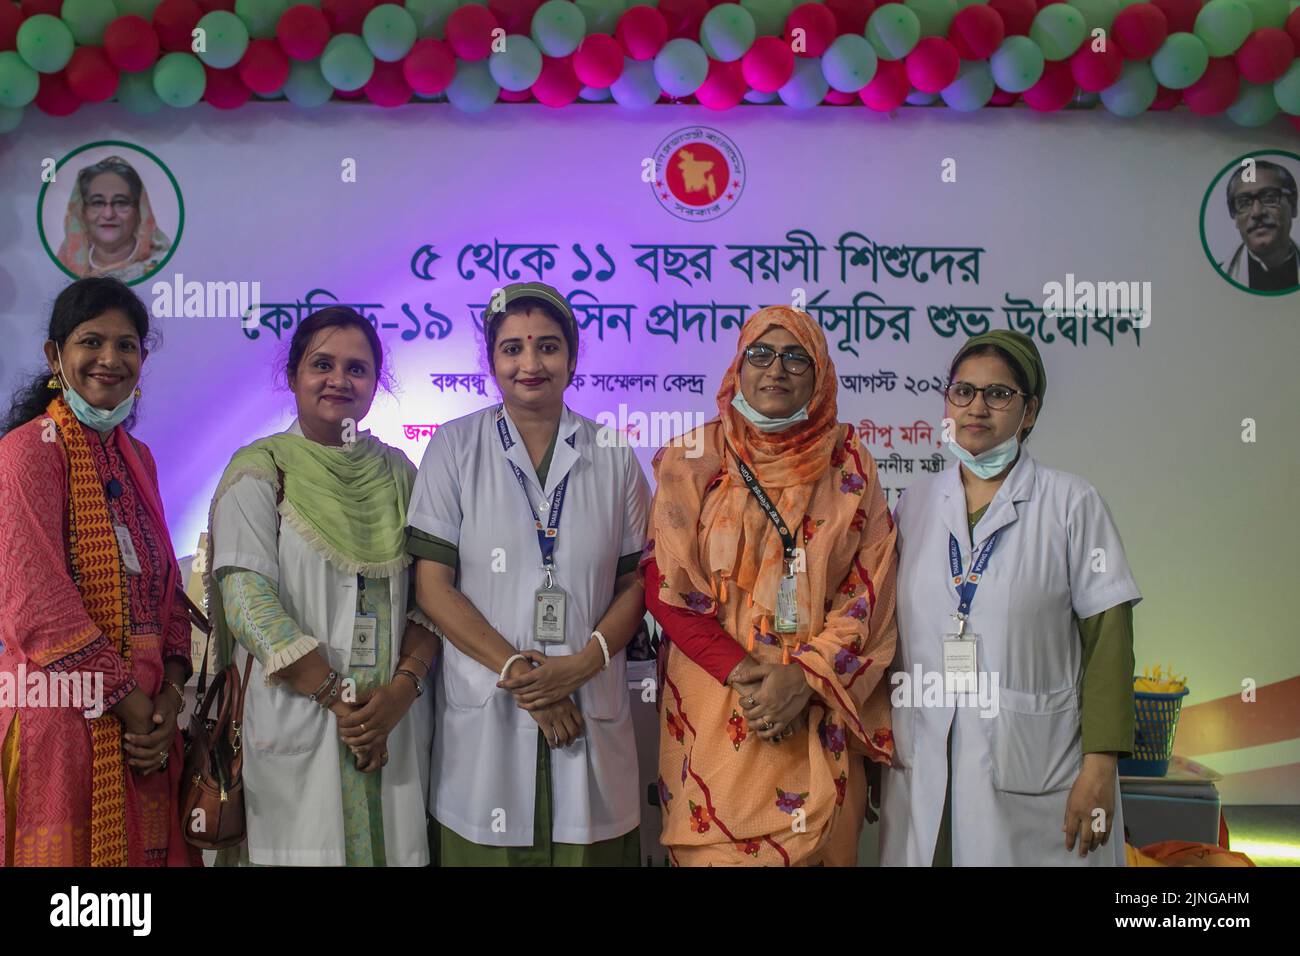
(1292, 27)
(818, 24)
(642, 31)
(768, 64)
(130, 43)
(1017, 15)
(302, 32)
(839, 98)
(1093, 71)
(1166, 99)
(430, 67)
(207, 6)
(92, 78)
(1180, 14)
(1216, 90)
(514, 96)
(1001, 97)
(932, 64)
(55, 97)
(598, 61)
(387, 87)
(348, 16)
(1054, 89)
(1139, 30)
(50, 7)
(683, 17)
(264, 67)
(469, 32)
(558, 85)
(11, 18)
(888, 88)
(851, 17)
(724, 87)
(976, 32)
(224, 89)
(173, 21)
(1265, 56)
(515, 16)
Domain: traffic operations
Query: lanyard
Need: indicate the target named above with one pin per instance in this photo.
(546, 533)
(966, 584)
(769, 509)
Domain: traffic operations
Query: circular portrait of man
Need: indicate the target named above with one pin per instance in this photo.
(1247, 219)
(110, 209)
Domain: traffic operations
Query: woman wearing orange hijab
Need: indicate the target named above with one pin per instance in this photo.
(771, 570)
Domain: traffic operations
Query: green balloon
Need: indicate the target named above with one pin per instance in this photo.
(1017, 64)
(1255, 105)
(518, 66)
(87, 19)
(769, 16)
(727, 32)
(19, 83)
(431, 16)
(935, 15)
(1268, 13)
(306, 85)
(1097, 13)
(558, 27)
(963, 4)
(591, 94)
(1286, 90)
(1180, 61)
(472, 90)
(1134, 91)
(225, 39)
(601, 15)
(893, 30)
(135, 92)
(10, 117)
(390, 32)
(347, 62)
(137, 8)
(972, 89)
(849, 63)
(179, 80)
(260, 16)
(1223, 26)
(806, 88)
(45, 43)
(1058, 29)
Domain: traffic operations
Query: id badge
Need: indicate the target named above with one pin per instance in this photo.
(787, 605)
(365, 639)
(548, 615)
(959, 675)
(124, 545)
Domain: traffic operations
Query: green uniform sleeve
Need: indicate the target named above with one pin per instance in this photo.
(431, 548)
(1107, 692)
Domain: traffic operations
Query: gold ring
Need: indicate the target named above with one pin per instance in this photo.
(363, 728)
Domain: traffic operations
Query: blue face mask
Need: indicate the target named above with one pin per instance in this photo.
(989, 464)
(761, 421)
(88, 414)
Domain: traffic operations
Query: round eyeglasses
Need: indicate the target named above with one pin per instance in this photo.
(762, 356)
(996, 397)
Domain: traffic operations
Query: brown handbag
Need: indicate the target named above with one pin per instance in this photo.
(212, 785)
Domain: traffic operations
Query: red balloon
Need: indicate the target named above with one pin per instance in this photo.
(1017, 15)
(1094, 71)
(1001, 97)
(1295, 122)
(724, 87)
(598, 61)
(173, 21)
(51, 7)
(642, 31)
(224, 89)
(514, 96)
(1216, 90)
(469, 32)
(1166, 99)
(818, 25)
(1054, 89)
(347, 16)
(557, 85)
(932, 64)
(1292, 27)
(1180, 14)
(303, 32)
(55, 97)
(976, 31)
(1265, 56)
(387, 86)
(264, 67)
(516, 16)
(839, 98)
(11, 18)
(683, 17)
(209, 5)
(888, 88)
(1139, 30)
(358, 94)
(430, 67)
(768, 64)
(851, 17)
(131, 44)
(91, 77)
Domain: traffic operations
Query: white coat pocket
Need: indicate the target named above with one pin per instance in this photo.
(1037, 741)
(468, 683)
(904, 730)
(605, 696)
(279, 721)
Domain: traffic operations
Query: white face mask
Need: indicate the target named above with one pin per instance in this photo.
(761, 421)
(989, 464)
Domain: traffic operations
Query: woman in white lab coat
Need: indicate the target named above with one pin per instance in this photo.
(307, 570)
(534, 762)
(1020, 769)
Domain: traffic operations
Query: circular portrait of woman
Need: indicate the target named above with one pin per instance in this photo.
(110, 209)
(1248, 220)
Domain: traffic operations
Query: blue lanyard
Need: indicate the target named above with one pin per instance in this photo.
(546, 533)
(966, 584)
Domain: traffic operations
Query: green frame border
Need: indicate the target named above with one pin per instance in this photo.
(176, 187)
(1205, 204)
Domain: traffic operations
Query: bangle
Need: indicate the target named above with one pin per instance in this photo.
(419, 684)
(505, 667)
(179, 693)
(328, 701)
(315, 696)
(604, 647)
(427, 666)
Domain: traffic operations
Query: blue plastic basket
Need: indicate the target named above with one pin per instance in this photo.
(1153, 737)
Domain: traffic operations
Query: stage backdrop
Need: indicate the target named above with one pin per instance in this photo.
(666, 228)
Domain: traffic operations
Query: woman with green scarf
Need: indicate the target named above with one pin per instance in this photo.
(307, 571)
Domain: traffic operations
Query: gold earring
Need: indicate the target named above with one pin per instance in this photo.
(137, 391)
(54, 384)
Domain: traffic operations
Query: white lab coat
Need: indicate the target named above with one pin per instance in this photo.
(292, 780)
(1012, 772)
(485, 751)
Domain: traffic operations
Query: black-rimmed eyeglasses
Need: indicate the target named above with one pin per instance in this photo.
(996, 397)
(762, 356)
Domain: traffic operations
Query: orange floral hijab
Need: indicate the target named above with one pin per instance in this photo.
(707, 530)
(151, 243)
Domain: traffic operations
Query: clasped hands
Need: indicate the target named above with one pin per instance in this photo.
(773, 697)
(365, 725)
(544, 686)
